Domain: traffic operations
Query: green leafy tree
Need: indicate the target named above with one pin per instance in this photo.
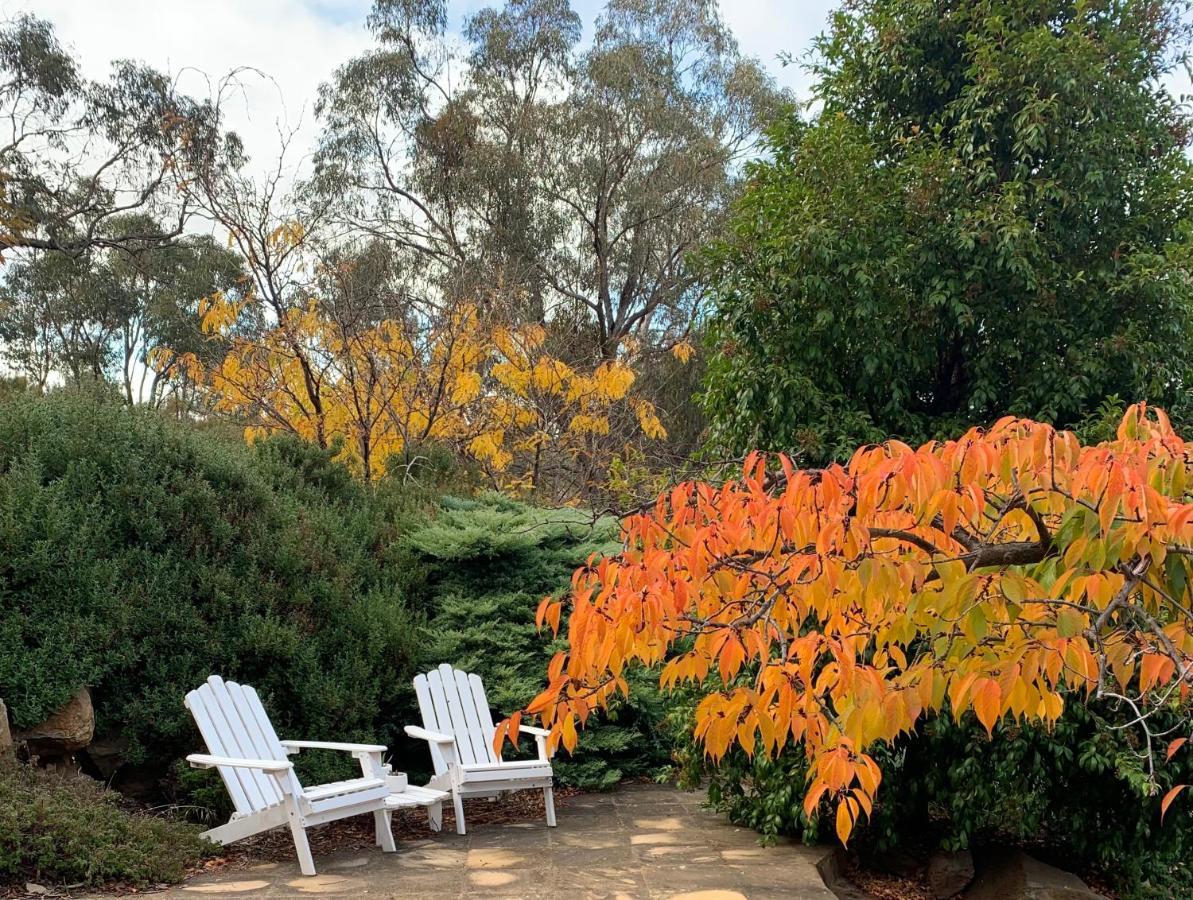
(77, 153)
(988, 215)
(113, 312)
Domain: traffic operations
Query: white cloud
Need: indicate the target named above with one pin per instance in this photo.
(768, 29)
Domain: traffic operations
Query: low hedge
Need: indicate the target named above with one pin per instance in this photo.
(70, 829)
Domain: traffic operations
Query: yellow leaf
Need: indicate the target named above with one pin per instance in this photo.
(844, 822)
(683, 351)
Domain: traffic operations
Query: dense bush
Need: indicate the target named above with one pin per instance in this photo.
(72, 829)
(138, 556)
(1076, 793)
(488, 563)
(988, 215)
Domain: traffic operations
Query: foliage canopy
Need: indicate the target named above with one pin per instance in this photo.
(138, 556)
(989, 215)
(1004, 572)
(487, 563)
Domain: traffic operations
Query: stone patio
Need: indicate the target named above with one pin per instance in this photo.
(642, 841)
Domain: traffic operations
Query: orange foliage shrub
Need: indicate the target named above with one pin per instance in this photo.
(1007, 572)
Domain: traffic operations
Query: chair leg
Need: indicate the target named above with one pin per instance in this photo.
(435, 816)
(458, 803)
(302, 846)
(384, 829)
(549, 802)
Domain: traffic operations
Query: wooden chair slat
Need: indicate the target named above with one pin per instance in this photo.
(426, 707)
(251, 745)
(227, 726)
(214, 739)
(443, 693)
(481, 752)
(485, 714)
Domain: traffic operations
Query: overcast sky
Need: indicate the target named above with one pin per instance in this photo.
(298, 43)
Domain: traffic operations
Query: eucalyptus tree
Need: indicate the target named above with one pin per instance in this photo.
(125, 310)
(575, 177)
(76, 153)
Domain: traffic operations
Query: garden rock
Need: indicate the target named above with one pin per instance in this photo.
(70, 728)
(5, 731)
(108, 754)
(1013, 875)
(948, 874)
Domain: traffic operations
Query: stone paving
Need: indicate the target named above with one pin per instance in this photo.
(641, 841)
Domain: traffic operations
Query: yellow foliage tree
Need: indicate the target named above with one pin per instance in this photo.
(490, 390)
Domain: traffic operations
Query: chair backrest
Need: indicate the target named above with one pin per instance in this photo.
(454, 703)
(233, 723)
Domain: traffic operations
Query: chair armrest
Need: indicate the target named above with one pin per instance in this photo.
(296, 746)
(435, 737)
(540, 740)
(205, 761)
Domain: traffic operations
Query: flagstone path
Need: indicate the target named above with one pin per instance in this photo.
(642, 841)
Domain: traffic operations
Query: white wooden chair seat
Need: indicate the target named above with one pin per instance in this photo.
(522, 771)
(458, 728)
(341, 788)
(260, 779)
(413, 796)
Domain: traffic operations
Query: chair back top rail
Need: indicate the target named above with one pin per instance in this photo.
(454, 702)
(233, 723)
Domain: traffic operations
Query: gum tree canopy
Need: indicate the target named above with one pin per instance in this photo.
(1007, 573)
(80, 160)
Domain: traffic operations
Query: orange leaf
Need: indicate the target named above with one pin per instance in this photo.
(499, 734)
(844, 822)
(1174, 746)
(987, 698)
(515, 722)
(1168, 798)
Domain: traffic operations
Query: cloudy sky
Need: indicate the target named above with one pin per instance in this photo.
(298, 43)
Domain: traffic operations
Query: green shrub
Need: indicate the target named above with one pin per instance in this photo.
(138, 556)
(488, 564)
(71, 829)
(1076, 793)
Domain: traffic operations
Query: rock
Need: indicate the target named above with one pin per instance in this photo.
(36, 889)
(1013, 875)
(70, 728)
(5, 732)
(142, 783)
(948, 874)
(106, 755)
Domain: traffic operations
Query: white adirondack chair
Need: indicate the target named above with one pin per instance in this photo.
(261, 780)
(458, 726)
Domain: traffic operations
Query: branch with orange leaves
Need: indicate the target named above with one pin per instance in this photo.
(1005, 573)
